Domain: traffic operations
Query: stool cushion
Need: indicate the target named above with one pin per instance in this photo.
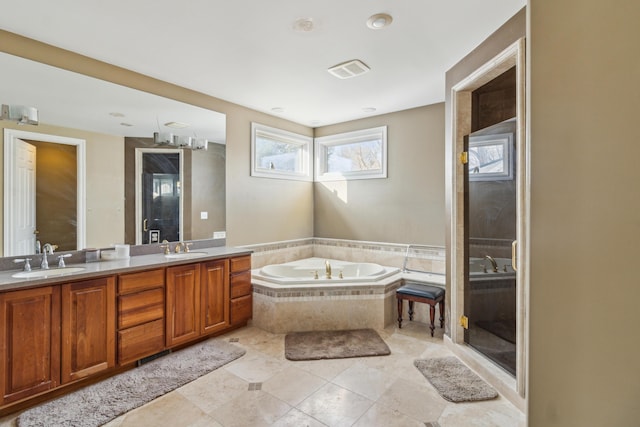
(420, 290)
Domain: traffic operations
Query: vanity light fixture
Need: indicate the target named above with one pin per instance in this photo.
(379, 21)
(22, 114)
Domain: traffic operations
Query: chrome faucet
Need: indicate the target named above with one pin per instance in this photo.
(493, 262)
(327, 267)
(47, 248)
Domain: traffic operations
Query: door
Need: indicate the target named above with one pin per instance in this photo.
(214, 306)
(23, 208)
(29, 342)
(159, 195)
(88, 328)
(490, 291)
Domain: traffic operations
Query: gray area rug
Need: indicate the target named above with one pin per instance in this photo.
(99, 403)
(316, 345)
(454, 381)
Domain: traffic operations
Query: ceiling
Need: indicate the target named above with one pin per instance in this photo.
(250, 52)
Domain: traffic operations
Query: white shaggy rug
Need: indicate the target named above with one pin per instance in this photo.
(99, 403)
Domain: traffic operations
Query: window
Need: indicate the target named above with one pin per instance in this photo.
(490, 157)
(276, 153)
(352, 155)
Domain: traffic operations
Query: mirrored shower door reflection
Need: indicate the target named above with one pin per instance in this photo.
(490, 291)
(160, 197)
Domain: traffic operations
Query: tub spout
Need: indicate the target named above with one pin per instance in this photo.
(327, 266)
(493, 262)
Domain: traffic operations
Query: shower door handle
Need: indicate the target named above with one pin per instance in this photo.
(514, 250)
(145, 225)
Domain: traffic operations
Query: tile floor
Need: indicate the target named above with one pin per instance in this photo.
(262, 388)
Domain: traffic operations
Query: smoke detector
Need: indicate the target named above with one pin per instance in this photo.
(349, 69)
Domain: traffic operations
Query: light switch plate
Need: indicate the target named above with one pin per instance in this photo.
(219, 234)
(204, 215)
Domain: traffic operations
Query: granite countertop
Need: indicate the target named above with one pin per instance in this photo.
(116, 266)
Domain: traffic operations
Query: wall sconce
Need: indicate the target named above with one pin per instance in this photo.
(22, 114)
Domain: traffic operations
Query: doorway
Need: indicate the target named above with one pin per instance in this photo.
(159, 195)
(474, 304)
(44, 197)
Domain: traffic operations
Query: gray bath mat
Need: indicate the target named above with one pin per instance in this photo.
(454, 381)
(99, 403)
(316, 345)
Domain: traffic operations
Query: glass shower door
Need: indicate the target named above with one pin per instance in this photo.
(490, 229)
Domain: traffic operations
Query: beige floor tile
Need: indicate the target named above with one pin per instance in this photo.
(295, 418)
(255, 367)
(170, 409)
(293, 385)
(253, 408)
(335, 406)
(9, 421)
(382, 416)
(418, 401)
(214, 389)
(364, 380)
(491, 413)
(327, 369)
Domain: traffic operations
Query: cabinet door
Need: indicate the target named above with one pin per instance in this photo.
(183, 304)
(88, 328)
(214, 302)
(29, 342)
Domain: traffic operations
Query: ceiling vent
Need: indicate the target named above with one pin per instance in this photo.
(349, 69)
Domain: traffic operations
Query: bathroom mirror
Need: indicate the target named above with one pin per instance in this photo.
(111, 121)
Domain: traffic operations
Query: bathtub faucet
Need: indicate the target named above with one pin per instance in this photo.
(493, 262)
(327, 267)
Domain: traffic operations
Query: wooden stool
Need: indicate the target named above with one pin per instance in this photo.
(418, 292)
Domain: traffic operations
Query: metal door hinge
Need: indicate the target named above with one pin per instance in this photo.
(464, 157)
(464, 322)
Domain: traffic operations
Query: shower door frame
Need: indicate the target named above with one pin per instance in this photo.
(512, 56)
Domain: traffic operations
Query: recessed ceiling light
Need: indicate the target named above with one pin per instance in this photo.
(176, 125)
(116, 114)
(277, 110)
(379, 21)
(303, 25)
(369, 109)
(126, 124)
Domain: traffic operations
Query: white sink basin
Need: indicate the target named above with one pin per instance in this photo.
(47, 273)
(186, 255)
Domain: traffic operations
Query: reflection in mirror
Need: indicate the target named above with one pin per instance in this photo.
(106, 115)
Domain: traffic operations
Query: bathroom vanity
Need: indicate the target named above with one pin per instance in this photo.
(62, 331)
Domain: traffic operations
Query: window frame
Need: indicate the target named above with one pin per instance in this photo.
(322, 144)
(280, 135)
(505, 140)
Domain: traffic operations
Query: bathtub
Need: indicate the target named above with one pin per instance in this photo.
(287, 297)
(313, 271)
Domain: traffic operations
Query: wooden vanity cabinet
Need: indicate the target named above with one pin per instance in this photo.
(87, 328)
(141, 307)
(214, 296)
(183, 304)
(197, 301)
(241, 295)
(29, 342)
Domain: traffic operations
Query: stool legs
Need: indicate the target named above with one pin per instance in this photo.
(432, 312)
(410, 310)
(399, 313)
(441, 307)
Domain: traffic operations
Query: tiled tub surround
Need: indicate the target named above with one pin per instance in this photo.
(282, 308)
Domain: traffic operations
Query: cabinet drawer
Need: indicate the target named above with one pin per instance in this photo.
(141, 307)
(140, 341)
(240, 284)
(241, 309)
(139, 281)
(240, 263)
